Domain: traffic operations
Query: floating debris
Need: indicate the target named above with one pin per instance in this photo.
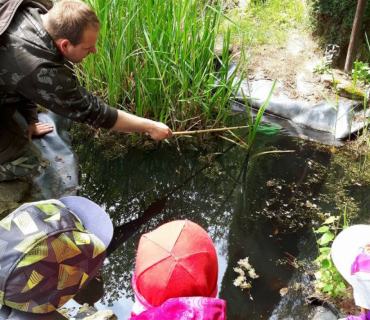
(245, 271)
(283, 291)
(271, 183)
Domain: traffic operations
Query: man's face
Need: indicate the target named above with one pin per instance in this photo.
(88, 45)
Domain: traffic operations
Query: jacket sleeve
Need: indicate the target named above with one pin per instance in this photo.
(29, 112)
(54, 87)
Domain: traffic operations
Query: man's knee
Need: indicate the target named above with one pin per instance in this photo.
(25, 163)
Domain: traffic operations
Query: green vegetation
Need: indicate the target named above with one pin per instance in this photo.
(322, 67)
(347, 207)
(156, 59)
(328, 279)
(254, 124)
(267, 22)
(361, 72)
(333, 20)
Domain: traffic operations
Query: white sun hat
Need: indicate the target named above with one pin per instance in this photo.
(351, 256)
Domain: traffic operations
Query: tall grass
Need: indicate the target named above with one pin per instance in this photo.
(156, 59)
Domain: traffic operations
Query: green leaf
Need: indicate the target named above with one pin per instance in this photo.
(330, 220)
(270, 129)
(341, 287)
(325, 263)
(321, 257)
(322, 229)
(325, 250)
(325, 239)
(333, 270)
(328, 288)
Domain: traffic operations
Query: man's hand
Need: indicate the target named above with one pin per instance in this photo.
(38, 129)
(130, 123)
(159, 131)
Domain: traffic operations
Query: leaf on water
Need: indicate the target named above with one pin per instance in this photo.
(270, 129)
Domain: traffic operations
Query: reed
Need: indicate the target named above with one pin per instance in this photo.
(156, 59)
(254, 122)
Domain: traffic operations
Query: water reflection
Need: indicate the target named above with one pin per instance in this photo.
(261, 211)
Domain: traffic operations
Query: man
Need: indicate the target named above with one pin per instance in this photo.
(34, 46)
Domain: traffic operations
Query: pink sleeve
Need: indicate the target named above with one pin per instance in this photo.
(186, 308)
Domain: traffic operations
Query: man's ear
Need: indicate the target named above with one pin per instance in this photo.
(63, 45)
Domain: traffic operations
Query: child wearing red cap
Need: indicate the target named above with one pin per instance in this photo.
(176, 275)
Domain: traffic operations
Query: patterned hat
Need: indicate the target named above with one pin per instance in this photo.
(48, 252)
(178, 259)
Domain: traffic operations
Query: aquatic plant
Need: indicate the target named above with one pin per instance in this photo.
(328, 280)
(156, 59)
(254, 122)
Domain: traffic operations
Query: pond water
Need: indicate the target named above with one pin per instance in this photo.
(263, 208)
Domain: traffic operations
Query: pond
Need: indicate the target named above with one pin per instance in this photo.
(264, 208)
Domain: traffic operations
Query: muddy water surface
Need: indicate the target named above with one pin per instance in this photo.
(264, 209)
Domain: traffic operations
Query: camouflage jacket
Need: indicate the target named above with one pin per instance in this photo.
(33, 71)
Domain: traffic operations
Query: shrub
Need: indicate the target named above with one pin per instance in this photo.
(333, 20)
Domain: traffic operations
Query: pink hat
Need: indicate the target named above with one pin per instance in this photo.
(178, 259)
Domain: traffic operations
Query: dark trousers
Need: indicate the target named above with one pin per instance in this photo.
(23, 163)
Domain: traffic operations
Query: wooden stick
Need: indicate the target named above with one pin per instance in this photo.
(232, 141)
(207, 130)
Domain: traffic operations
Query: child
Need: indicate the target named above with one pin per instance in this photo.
(49, 251)
(176, 275)
(351, 256)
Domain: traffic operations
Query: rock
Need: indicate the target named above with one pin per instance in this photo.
(346, 90)
(103, 315)
(11, 195)
(13, 191)
(7, 207)
(344, 86)
(327, 78)
(324, 314)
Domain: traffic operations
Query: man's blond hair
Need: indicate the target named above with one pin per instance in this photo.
(68, 19)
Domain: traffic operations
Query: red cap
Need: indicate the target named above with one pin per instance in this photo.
(178, 259)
